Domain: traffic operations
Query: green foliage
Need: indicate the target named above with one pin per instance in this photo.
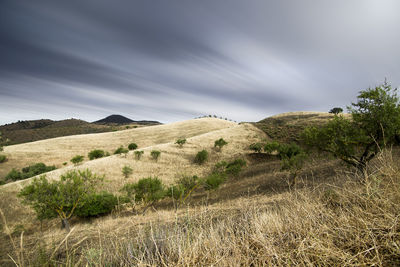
(180, 142)
(375, 123)
(288, 150)
(65, 163)
(138, 154)
(96, 154)
(1, 139)
(214, 180)
(155, 154)
(3, 158)
(29, 171)
(183, 187)
(59, 198)
(97, 204)
(220, 166)
(126, 171)
(336, 110)
(256, 147)
(146, 189)
(235, 167)
(132, 146)
(121, 150)
(220, 143)
(201, 157)
(271, 147)
(77, 159)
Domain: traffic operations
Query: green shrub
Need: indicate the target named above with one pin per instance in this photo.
(96, 154)
(271, 147)
(201, 157)
(220, 166)
(29, 171)
(3, 158)
(146, 189)
(180, 142)
(65, 163)
(182, 187)
(138, 154)
(97, 204)
(126, 171)
(155, 154)
(213, 181)
(132, 146)
(256, 147)
(77, 159)
(121, 150)
(220, 143)
(288, 150)
(14, 175)
(336, 110)
(235, 167)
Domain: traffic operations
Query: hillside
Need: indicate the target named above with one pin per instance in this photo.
(121, 120)
(328, 218)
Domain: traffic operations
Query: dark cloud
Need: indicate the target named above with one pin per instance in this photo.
(174, 60)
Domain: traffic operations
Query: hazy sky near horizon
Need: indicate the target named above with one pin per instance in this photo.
(171, 60)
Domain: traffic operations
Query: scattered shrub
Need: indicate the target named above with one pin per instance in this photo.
(146, 189)
(126, 171)
(65, 163)
(288, 150)
(3, 158)
(213, 181)
(138, 154)
(97, 204)
(121, 150)
(77, 159)
(271, 147)
(132, 146)
(155, 154)
(29, 171)
(220, 143)
(256, 147)
(183, 187)
(201, 157)
(96, 154)
(235, 167)
(14, 175)
(220, 166)
(180, 142)
(336, 110)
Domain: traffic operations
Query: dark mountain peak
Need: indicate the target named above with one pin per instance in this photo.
(117, 119)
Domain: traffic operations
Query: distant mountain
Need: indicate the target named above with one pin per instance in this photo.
(119, 119)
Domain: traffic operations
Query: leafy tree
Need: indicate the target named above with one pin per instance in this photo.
(138, 154)
(271, 147)
(180, 142)
(155, 154)
(235, 167)
(77, 159)
(336, 110)
(96, 154)
(183, 187)
(132, 146)
(375, 123)
(220, 143)
(29, 171)
(96, 204)
(214, 180)
(293, 162)
(201, 157)
(256, 147)
(126, 171)
(59, 198)
(121, 150)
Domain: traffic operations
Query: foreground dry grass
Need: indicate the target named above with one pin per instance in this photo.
(56, 151)
(356, 224)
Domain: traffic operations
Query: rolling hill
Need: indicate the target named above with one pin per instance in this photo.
(121, 120)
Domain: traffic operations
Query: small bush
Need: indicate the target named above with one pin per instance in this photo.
(220, 166)
(271, 147)
(97, 204)
(220, 143)
(126, 171)
(288, 150)
(256, 147)
(14, 175)
(235, 167)
(77, 159)
(336, 110)
(201, 157)
(182, 187)
(214, 180)
(180, 142)
(146, 189)
(132, 146)
(29, 171)
(65, 163)
(121, 150)
(155, 154)
(96, 154)
(3, 158)
(138, 154)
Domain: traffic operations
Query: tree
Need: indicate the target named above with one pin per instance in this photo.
(77, 159)
(59, 198)
(220, 143)
(292, 159)
(374, 123)
(132, 146)
(96, 154)
(181, 141)
(121, 150)
(201, 157)
(155, 154)
(138, 154)
(336, 110)
(256, 147)
(126, 171)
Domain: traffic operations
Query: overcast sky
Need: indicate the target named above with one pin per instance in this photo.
(170, 60)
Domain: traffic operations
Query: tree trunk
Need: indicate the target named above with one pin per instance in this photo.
(65, 224)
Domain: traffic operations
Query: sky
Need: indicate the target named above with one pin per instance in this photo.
(173, 60)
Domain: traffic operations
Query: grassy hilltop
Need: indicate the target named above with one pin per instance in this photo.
(254, 218)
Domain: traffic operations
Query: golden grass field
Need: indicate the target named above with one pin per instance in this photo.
(256, 219)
